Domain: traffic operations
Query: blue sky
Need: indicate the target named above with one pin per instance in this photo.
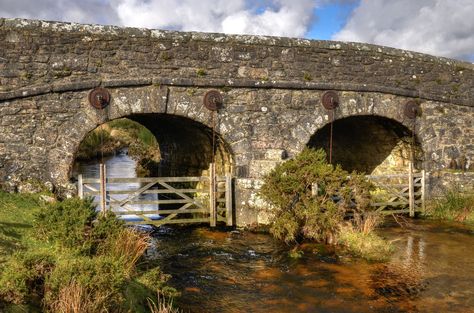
(329, 19)
(437, 27)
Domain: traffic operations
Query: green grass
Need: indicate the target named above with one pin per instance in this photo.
(63, 254)
(369, 246)
(16, 215)
(453, 205)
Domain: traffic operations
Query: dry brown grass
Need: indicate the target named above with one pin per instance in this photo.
(129, 246)
(74, 298)
(367, 222)
(161, 306)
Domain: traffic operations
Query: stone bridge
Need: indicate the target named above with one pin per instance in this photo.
(271, 89)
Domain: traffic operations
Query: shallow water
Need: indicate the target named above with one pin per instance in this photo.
(224, 270)
(120, 165)
(432, 270)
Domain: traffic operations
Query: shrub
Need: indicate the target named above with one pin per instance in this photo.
(77, 261)
(101, 276)
(67, 223)
(22, 278)
(300, 211)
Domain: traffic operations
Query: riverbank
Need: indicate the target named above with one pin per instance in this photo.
(218, 270)
(56, 256)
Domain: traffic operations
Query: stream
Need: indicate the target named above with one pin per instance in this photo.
(228, 270)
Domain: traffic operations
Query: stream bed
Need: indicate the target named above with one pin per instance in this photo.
(431, 270)
(226, 270)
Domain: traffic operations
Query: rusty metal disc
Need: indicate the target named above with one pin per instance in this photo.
(99, 98)
(412, 109)
(330, 100)
(213, 100)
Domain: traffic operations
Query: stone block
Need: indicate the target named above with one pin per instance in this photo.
(275, 154)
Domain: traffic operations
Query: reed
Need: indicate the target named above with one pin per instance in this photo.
(74, 298)
(162, 305)
(129, 246)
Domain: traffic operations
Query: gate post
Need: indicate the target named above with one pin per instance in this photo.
(102, 188)
(212, 195)
(80, 187)
(411, 193)
(228, 199)
(423, 190)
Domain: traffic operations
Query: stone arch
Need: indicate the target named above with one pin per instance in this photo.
(369, 143)
(351, 104)
(156, 108)
(186, 146)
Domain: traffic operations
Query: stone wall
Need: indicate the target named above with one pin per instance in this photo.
(271, 87)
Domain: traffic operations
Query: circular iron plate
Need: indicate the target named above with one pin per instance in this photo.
(330, 100)
(412, 109)
(99, 98)
(213, 100)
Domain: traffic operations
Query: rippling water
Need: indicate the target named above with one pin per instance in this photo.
(432, 270)
(224, 270)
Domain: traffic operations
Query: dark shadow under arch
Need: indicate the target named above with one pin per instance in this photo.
(368, 143)
(186, 146)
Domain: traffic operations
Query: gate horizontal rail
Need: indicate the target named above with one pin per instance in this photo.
(178, 200)
(402, 193)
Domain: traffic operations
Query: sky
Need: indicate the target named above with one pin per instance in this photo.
(437, 27)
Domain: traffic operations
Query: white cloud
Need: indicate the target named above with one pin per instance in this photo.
(280, 17)
(263, 17)
(81, 11)
(438, 27)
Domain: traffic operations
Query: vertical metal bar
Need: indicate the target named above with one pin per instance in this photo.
(212, 195)
(411, 190)
(80, 187)
(330, 137)
(228, 199)
(423, 190)
(102, 188)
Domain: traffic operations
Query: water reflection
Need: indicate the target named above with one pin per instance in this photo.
(120, 165)
(432, 270)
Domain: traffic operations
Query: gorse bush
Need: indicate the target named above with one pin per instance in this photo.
(81, 262)
(310, 198)
(66, 222)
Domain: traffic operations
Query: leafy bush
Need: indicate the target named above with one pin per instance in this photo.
(23, 276)
(68, 223)
(310, 198)
(77, 261)
(102, 275)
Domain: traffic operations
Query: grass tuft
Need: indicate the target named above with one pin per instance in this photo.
(162, 305)
(453, 205)
(366, 245)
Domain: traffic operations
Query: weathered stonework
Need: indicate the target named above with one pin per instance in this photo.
(271, 87)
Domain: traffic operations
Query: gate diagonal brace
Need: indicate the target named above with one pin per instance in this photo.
(138, 192)
(184, 196)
